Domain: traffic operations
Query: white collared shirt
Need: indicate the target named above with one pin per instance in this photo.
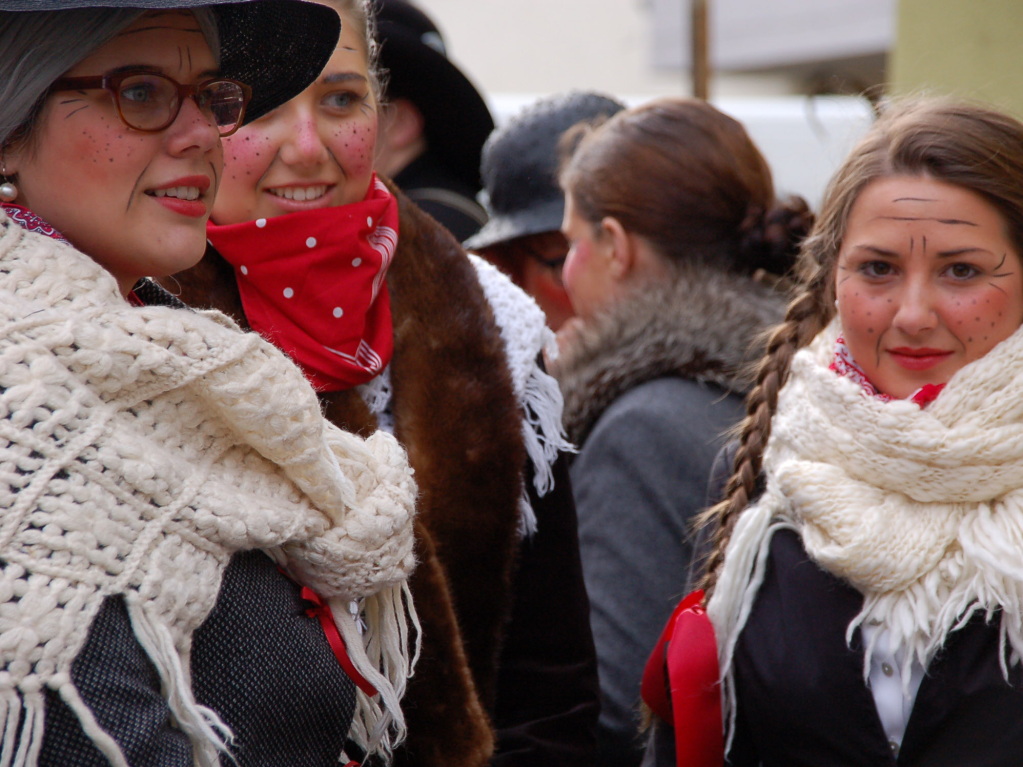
(893, 693)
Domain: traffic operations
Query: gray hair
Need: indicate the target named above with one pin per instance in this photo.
(37, 47)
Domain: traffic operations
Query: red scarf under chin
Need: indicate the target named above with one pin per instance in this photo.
(30, 221)
(844, 364)
(312, 283)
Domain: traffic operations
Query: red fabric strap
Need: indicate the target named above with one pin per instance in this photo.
(321, 610)
(681, 685)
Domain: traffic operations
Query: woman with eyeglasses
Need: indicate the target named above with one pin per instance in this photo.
(671, 219)
(195, 567)
(396, 327)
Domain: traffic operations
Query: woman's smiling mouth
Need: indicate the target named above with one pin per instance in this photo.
(299, 193)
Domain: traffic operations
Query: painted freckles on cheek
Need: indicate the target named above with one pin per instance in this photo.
(856, 301)
(981, 326)
(248, 155)
(354, 145)
(106, 144)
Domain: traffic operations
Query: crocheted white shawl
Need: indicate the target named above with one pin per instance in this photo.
(921, 510)
(525, 334)
(139, 449)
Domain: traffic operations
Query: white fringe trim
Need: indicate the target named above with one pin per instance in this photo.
(10, 707)
(734, 593)
(27, 730)
(543, 433)
(106, 744)
(380, 654)
(207, 732)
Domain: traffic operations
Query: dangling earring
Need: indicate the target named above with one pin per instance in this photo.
(8, 191)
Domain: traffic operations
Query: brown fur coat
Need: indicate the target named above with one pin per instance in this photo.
(456, 412)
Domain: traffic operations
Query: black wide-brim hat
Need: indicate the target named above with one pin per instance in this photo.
(457, 119)
(277, 47)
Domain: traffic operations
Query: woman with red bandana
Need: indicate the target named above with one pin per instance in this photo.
(396, 327)
(865, 588)
(195, 567)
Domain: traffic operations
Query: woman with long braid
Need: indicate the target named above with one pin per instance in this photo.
(865, 586)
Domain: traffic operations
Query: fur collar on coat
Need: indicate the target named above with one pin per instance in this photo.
(456, 412)
(700, 326)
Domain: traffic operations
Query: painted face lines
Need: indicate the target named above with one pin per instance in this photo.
(927, 281)
(136, 202)
(316, 151)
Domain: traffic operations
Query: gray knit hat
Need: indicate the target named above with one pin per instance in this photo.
(520, 166)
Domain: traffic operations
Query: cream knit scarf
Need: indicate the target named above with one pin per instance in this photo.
(139, 449)
(920, 510)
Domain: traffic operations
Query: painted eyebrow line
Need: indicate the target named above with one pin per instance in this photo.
(150, 69)
(913, 199)
(878, 250)
(941, 254)
(342, 77)
(961, 251)
(951, 221)
(156, 27)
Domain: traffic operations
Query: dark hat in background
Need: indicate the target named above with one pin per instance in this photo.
(520, 166)
(277, 47)
(456, 117)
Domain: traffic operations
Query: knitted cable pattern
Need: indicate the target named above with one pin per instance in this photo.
(139, 449)
(921, 510)
(526, 335)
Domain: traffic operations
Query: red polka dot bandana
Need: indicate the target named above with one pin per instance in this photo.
(313, 284)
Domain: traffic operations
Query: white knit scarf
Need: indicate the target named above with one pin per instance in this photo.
(920, 510)
(139, 449)
(526, 337)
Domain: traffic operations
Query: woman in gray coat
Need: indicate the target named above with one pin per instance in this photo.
(673, 226)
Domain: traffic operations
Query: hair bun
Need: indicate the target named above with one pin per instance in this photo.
(770, 240)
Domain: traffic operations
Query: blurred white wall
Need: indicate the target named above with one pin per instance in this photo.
(518, 50)
(642, 46)
(552, 45)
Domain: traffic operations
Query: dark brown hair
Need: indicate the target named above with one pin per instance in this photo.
(688, 179)
(970, 146)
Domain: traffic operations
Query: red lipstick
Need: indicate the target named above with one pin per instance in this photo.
(921, 358)
(183, 195)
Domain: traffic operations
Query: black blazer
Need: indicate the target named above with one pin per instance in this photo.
(802, 696)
